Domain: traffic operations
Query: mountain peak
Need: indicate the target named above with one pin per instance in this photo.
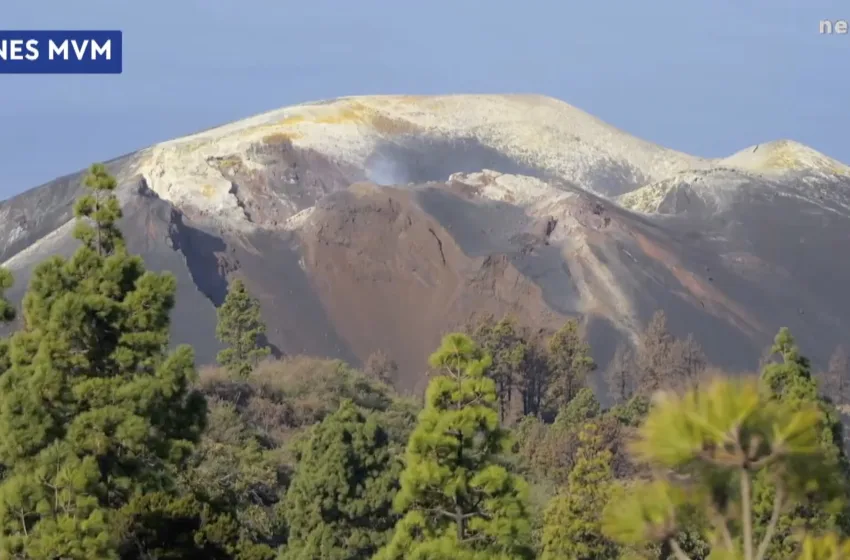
(780, 156)
(402, 139)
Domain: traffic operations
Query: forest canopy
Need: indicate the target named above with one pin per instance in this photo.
(113, 445)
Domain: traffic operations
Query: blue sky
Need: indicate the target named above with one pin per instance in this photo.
(707, 77)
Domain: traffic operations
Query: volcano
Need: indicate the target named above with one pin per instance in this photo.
(380, 222)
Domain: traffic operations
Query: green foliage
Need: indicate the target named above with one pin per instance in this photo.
(549, 451)
(291, 394)
(570, 362)
(644, 512)
(240, 326)
(507, 348)
(728, 424)
(259, 428)
(712, 442)
(520, 365)
(458, 500)
(7, 310)
(825, 547)
(339, 505)
(583, 407)
(93, 412)
(790, 381)
(166, 526)
(573, 528)
(7, 314)
(236, 478)
(98, 212)
(633, 412)
(107, 452)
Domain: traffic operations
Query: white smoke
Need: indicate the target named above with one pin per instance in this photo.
(386, 171)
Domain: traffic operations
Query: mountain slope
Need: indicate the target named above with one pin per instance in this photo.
(378, 222)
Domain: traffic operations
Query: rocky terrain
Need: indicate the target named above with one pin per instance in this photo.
(379, 222)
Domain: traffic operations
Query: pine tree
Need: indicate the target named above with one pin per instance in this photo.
(101, 210)
(654, 360)
(570, 362)
(573, 520)
(621, 376)
(520, 363)
(707, 447)
(585, 406)
(790, 381)
(503, 342)
(240, 327)
(339, 506)
(93, 412)
(235, 480)
(535, 376)
(7, 314)
(7, 310)
(459, 502)
(554, 454)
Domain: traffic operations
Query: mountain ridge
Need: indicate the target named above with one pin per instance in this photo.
(537, 208)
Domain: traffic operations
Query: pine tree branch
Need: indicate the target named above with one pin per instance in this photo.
(23, 521)
(727, 535)
(476, 538)
(746, 506)
(778, 503)
(723, 525)
(677, 550)
(463, 516)
(761, 463)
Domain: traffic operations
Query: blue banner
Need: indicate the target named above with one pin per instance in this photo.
(60, 52)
